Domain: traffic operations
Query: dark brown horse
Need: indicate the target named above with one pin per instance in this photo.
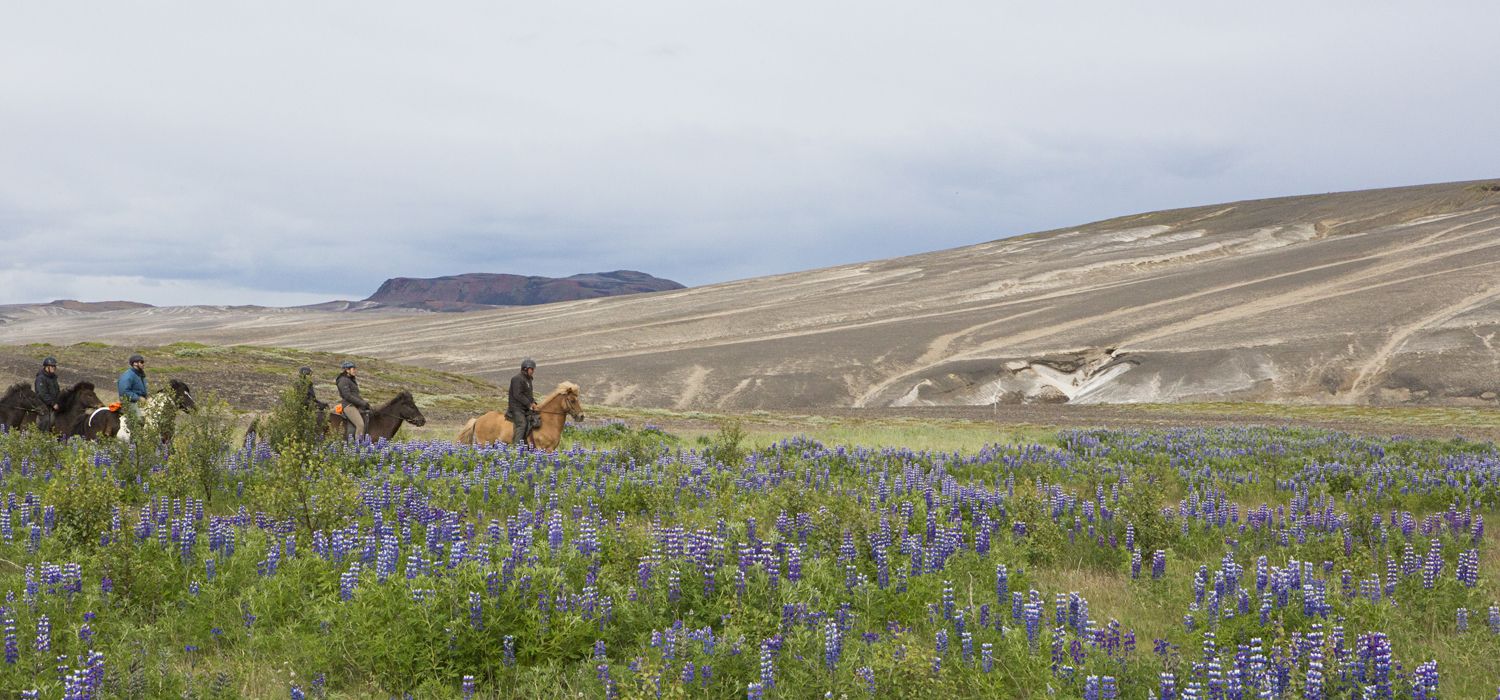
(106, 423)
(383, 422)
(75, 405)
(20, 407)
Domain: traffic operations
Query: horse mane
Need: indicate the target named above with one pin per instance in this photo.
(14, 389)
(405, 394)
(69, 395)
(563, 388)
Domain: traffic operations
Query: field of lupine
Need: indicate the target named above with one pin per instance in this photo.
(1245, 563)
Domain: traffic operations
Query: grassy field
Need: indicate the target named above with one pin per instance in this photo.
(758, 555)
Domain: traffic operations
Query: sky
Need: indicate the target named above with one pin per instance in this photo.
(283, 153)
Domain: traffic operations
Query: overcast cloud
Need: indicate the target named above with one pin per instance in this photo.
(292, 152)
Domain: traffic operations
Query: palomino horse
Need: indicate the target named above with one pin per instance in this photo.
(157, 410)
(564, 401)
(383, 422)
(75, 404)
(21, 406)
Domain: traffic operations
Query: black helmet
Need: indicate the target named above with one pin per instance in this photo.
(136, 358)
(347, 365)
(304, 371)
(49, 362)
(528, 363)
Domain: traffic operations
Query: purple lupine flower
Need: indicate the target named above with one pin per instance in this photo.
(833, 645)
(1158, 564)
(12, 649)
(468, 687)
(1091, 688)
(767, 666)
(297, 693)
(755, 691)
(348, 581)
(1468, 568)
(867, 675)
(555, 531)
(476, 611)
(1167, 688)
(43, 634)
(986, 657)
(1463, 619)
(1432, 566)
(1424, 682)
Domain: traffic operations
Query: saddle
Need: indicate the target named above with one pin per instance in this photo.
(338, 410)
(112, 408)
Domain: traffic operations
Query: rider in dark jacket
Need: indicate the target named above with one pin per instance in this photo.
(49, 392)
(520, 403)
(305, 375)
(350, 398)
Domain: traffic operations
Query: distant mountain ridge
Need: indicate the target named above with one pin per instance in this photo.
(480, 290)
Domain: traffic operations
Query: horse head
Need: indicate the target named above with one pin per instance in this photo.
(80, 394)
(22, 396)
(403, 406)
(183, 395)
(572, 401)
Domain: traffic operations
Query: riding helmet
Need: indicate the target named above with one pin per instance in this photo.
(347, 365)
(304, 371)
(528, 363)
(136, 358)
(49, 362)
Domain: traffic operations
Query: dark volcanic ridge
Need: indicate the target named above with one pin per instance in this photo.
(482, 290)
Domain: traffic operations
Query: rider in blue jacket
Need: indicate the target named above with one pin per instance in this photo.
(132, 384)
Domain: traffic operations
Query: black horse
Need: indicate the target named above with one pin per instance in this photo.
(75, 405)
(20, 407)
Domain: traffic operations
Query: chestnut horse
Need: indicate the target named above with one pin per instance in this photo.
(383, 422)
(21, 407)
(554, 409)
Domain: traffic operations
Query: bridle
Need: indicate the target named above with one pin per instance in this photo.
(555, 413)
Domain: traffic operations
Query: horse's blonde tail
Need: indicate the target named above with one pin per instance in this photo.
(466, 436)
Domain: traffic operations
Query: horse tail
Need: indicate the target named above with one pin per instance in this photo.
(466, 436)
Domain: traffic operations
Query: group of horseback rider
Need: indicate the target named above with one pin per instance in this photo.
(520, 409)
(131, 387)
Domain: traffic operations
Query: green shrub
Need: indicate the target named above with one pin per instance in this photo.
(307, 487)
(728, 445)
(202, 440)
(293, 419)
(85, 498)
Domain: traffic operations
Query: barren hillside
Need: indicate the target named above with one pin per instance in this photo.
(1383, 296)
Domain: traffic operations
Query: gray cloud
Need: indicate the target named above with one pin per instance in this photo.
(287, 152)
